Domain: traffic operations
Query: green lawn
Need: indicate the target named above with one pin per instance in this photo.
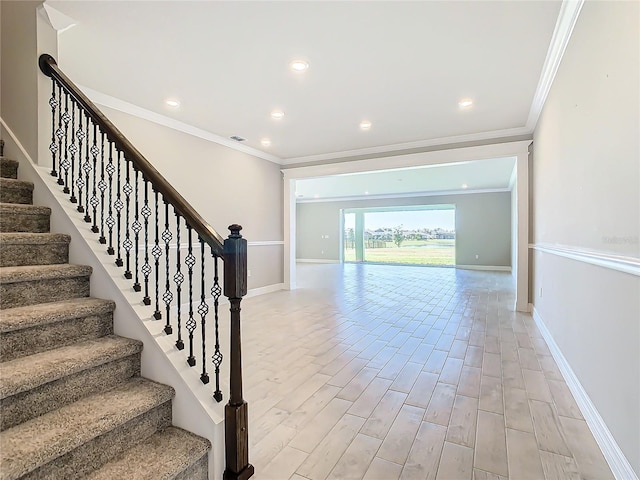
(413, 252)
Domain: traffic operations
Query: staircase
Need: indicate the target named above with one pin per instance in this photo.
(73, 402)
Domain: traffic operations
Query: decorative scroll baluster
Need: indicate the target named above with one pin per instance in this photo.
(60, 135)
(65, 162)
(110, 220)
(127, 244)
(79, 182)
(118, 205)
(53, 147)
(136, 227)
(190, 261)
(146, 268)
(167, 296)
(157, 253)
(216, 292)
(178, 278)
(203, 309)
(94, 197)
(73, 149)
(102, 186)
(87, 171)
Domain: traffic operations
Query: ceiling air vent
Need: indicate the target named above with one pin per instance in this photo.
(237, 138)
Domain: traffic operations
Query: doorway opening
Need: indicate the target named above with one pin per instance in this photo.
(410, 235)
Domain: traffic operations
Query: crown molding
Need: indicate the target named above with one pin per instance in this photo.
(569, 12)
(383, 196)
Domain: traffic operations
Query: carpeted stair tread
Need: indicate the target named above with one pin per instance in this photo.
(26, 373)
(24, 248)
(42, 272)
(45, 313)
(28, 238)
(8, 168)
(37, 442)
(17, 208)
(151, 460)
(16, 191)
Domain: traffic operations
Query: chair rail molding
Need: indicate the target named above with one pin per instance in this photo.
(620, 263)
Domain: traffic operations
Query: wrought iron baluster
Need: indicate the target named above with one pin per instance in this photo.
(79, 182)
(167, 296)
(102, 186)
(146, 268)
(136, 227)
(203, 309)
(216, 292)
(157, 253)
(127, 244)
(87, 171)
(118, 205)
(191, 323)
(110, 220)
(178, 278)
(94, 197)
(53, 148)
(60, 136)
(65, 162)
(73, 149)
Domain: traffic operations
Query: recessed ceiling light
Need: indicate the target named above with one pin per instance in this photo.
(464, 185)
(299, 65)
(465, 103)
(277, 114)
(265, 142)
(172, 102)
(366, 193)
(365, 125)
(316, 196)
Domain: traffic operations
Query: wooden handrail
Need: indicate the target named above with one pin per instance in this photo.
(49, 67)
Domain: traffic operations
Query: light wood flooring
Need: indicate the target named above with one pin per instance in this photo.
(378, 372)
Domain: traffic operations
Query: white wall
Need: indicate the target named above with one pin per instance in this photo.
(224, 185)
(586, 182)
(483, 226)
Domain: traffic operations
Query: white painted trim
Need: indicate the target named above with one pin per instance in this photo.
(17, 142)
(493, 268)
(401, 195)
(264, 243)
(630, 265)
(131, 109)
(316, 260)
(387, 150)
(618, 463)
(422, 159)
(254, 292)
(569, 11)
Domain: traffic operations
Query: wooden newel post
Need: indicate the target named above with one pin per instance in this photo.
(236, 418)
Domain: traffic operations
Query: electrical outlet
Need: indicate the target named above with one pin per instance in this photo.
(540, 294)
(477, 257)
(248, 273)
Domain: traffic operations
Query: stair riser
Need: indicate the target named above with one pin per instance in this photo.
(38, 401)
(16, 194)
(197, 471)
(20, 343)
(15, 255)
(31, 292)
(20, 222)
(97, 452)
(8, 169)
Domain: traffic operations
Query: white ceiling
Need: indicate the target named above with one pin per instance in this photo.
(402, 65)
(491, 174)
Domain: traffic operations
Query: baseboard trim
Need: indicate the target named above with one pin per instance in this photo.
(618, 463)
(489, 268)
(316, 260)
(254, 292)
